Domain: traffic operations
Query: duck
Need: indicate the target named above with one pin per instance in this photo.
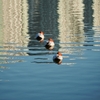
(49, 44)
(57, 58)
(40, 36)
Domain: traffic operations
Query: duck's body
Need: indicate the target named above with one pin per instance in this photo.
(49, 44)
(57, 58)
(40, 36)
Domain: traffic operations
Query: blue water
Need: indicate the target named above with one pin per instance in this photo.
(27, 70)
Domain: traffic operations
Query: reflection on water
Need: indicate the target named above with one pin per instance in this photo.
(42, 19)
(14, 29)
(26, 66)
(96, 22)
(70, 24)
(88, 20)
(73, 25)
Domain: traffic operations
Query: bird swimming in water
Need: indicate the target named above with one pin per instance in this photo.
(57, 58)
(40, 36)
(49, 44)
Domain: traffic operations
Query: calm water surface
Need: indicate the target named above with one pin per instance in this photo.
(26, 68)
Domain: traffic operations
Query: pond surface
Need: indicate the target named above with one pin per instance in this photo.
(27, 70)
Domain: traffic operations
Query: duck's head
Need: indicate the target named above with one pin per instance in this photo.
(59, 53)
(41, 32)
(50, 39)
